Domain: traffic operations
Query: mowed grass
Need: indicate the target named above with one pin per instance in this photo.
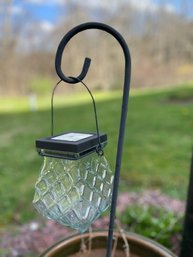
(157, 147)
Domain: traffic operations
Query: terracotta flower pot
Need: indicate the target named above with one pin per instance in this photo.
(139, 246)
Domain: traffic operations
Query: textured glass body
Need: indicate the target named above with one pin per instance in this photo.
(74, 192)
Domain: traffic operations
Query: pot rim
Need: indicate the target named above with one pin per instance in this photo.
(131, 237)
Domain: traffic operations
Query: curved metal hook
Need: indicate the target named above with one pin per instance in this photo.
(87, 61)
(120, 39)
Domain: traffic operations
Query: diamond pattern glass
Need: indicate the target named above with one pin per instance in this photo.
(74, 192)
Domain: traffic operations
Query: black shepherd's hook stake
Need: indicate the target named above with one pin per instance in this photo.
(120, 39)
(187, 235)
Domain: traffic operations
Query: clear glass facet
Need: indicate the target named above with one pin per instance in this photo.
(74, 192)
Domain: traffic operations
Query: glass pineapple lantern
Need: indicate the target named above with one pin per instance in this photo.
(75, 182)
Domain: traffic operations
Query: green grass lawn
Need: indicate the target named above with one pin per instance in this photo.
(157, 149)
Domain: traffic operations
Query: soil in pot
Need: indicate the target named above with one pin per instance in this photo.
(102, 253)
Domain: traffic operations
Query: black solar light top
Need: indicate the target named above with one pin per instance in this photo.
(70, 145)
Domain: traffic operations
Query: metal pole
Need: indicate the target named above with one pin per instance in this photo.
(187, 236)
(125, 98)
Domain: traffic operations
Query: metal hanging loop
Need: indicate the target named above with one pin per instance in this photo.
(99, 149)
(126, 88)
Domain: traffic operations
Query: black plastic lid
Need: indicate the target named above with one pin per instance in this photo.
(76, 143)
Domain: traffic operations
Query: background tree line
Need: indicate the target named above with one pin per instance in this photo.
(161, 44)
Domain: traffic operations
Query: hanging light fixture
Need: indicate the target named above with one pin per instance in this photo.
(75, 182)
